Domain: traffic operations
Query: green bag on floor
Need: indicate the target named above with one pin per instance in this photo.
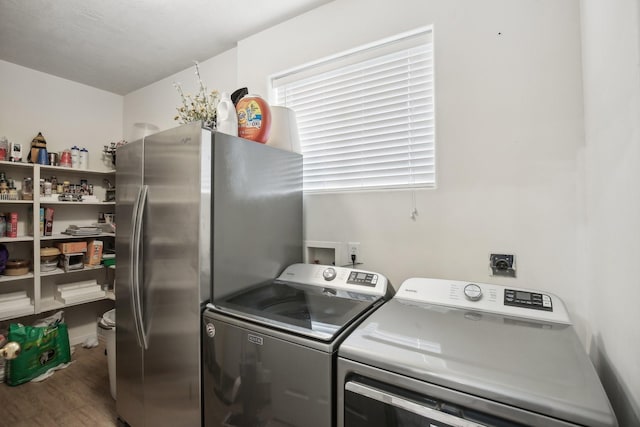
(42, 348)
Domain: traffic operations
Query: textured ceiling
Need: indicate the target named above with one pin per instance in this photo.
(123, 45)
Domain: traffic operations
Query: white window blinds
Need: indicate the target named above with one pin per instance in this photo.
(366, 117)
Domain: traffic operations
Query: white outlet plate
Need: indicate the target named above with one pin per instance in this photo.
(353, 248)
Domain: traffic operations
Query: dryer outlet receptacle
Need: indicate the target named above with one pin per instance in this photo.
(502, 265)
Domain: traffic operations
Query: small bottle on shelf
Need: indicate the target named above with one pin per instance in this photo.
(13, 191)
(4, 187)
(75, 157)
(84, 159)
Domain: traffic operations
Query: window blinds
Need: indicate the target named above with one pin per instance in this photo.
(366, 120)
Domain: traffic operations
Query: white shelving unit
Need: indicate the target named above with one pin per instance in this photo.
(15, 278)
(40, 286)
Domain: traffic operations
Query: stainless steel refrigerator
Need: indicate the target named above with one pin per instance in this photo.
(199, 214)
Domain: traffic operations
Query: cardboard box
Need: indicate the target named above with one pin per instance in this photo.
(93, 256)
(72, 247)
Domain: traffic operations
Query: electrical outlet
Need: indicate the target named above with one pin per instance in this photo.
(353, 248)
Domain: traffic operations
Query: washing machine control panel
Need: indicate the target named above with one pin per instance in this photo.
(362, 278)
(338, 280)
(525, 299)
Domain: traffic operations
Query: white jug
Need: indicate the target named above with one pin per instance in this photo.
(226, 118)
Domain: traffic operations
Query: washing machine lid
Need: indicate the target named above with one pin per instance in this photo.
(312, 300)
(530, 364)
(311, 311)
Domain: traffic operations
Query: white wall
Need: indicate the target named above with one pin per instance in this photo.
(152, 108)
(67, 113)
(611, 57)
(509, 125)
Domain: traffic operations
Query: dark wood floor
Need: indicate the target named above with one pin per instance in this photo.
(77, 396)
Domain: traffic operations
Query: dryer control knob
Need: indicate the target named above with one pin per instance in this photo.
(473, 292)
(329, 274)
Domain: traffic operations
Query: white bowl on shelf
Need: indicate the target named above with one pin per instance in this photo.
(48, 265)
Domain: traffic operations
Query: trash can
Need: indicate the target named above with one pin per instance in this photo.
(108, 324)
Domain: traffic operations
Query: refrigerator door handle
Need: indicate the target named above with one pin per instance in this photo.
(134, 281)
(133, 270)
(138, 241)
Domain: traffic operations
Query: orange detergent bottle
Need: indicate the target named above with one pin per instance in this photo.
(254, 118)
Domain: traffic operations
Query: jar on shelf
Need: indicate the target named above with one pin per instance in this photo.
(47, 188)
(27, 189)
(65, 158)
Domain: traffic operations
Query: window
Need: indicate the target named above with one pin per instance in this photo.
(366, 117)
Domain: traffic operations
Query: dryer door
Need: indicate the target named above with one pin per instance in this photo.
(371, 405)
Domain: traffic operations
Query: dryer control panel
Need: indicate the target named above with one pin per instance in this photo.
(526, 299)
(525, 303)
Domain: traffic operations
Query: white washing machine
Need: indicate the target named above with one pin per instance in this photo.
(450, 353)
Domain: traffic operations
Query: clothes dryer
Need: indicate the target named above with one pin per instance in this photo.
(450, 353)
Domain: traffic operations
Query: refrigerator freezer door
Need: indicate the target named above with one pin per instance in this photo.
(129, 375)
(257, 228)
